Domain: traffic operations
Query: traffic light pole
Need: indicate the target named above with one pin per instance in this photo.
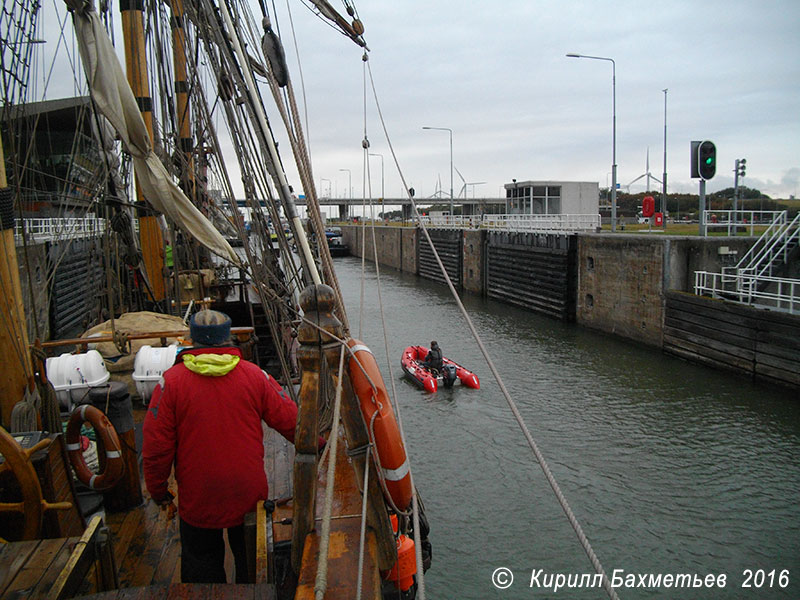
(702, 207)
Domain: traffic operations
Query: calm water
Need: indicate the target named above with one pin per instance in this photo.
(670, 468)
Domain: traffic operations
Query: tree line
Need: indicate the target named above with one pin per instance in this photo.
(680, 205)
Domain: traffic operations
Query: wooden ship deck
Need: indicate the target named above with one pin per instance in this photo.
(136, 548)
(145, 547)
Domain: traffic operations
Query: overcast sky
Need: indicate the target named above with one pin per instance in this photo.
(496, 73)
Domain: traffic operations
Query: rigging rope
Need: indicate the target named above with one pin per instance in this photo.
(291, 119)
(363, 534)
(393, 397)
(512, 405)
(322, 565)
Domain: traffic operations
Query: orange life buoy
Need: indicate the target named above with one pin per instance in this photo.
(106, 434)
(381, 424)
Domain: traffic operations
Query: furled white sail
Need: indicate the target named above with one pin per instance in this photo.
(115, 100)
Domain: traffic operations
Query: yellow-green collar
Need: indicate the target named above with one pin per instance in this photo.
(213, 365)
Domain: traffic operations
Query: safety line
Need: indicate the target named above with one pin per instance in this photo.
(512, 405)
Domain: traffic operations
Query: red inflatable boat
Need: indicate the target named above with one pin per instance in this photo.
(412, 360)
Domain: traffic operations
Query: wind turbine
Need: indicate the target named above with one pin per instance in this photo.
(466, 183)
(647, 174)
(437, 191)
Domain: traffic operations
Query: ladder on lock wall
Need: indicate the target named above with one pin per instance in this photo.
(760, 278)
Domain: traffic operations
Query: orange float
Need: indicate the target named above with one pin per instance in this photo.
(107, 435)
(403, 571)
(381, 425)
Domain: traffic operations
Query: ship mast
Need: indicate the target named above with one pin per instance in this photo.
(185, 143)
(132, 13)
(13, 328)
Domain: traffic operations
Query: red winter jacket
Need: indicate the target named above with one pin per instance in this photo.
(210, 428)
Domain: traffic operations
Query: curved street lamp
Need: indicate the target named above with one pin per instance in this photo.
(451, 164)
(613, 132)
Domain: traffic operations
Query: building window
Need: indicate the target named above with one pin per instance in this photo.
(554, 200)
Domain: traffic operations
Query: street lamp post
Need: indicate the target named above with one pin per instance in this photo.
(451, 164)
(382, 193)
(613, 133)
(664, 174)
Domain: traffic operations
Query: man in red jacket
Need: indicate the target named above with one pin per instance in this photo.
(205, 419)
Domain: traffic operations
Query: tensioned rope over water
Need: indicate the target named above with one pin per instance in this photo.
(512, 405)
(414, 496)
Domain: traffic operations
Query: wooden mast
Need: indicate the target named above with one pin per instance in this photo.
(185, 142)
(132, 13)
(13, 326)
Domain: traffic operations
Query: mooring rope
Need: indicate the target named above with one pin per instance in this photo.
(512, 405)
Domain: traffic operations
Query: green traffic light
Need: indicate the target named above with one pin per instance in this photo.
(710, 160)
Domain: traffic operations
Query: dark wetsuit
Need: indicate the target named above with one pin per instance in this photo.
(434, 359)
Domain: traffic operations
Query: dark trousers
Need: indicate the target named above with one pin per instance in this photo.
(203, 554)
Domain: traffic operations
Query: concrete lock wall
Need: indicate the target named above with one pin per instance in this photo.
(623, 279)
(472, 276)
(387, 240)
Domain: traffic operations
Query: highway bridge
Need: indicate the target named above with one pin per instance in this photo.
(468, 206)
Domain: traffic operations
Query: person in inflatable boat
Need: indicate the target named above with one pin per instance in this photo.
(433, 360)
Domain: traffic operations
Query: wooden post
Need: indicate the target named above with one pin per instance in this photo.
(317, 302)
(14, 352)
(132, 13)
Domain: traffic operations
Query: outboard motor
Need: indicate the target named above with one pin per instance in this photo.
(448, 375)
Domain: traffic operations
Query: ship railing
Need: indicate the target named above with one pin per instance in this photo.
(48, 230)
(776, 293)
(555, 223)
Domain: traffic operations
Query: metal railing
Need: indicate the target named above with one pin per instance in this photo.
(773, 251)
(542, 223)
(742, 220)
(516, 222)
(751, 281)
(777, 293)
(47, 230)
(452, 221)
